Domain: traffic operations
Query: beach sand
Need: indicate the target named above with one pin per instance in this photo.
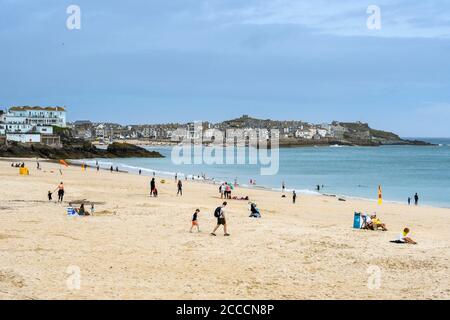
(137, 247)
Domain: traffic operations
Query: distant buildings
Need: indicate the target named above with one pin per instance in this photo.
(36, 124)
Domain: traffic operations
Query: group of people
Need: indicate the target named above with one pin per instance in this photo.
(153, 190)
(18, 165)
(219, 214)
(416, 199)
(225, 191)
(60, 189)
(372, 222)
(81, 211)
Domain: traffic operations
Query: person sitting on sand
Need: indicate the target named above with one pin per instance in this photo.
(377, 224)
(195, 221)
(367, 222)
(254, 211)
(404, 238)
(221, 220)
(81, 211)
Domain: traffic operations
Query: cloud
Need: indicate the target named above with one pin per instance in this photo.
(399, 18)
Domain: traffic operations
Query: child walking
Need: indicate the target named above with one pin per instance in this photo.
(195, 221)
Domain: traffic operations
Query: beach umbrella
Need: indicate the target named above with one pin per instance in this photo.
(231, 185)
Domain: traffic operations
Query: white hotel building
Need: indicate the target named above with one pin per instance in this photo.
(27, 124)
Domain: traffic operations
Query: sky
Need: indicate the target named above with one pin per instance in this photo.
(138, 62)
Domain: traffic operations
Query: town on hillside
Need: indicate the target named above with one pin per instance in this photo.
(26, 124)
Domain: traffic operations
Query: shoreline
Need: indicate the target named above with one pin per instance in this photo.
(168, 174)
(282, 145)
(308, 192)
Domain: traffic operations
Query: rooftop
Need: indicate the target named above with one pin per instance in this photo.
(28, 108)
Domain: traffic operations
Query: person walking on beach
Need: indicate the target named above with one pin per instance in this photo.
(180, 188)
(283, 187)
(98, 168)
(222, 190)
(140, 171)
(294, 197)
(60, 189)
(195, 221)
(221, 220)
(152, 187)
(176, 176)
(416, 199)
(409, 201)
(111, 169)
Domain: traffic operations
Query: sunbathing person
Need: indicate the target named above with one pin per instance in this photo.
(377, 224)
(81, 211)
(254, 211)
(367, 222)
(246, 198)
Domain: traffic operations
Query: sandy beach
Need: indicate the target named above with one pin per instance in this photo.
(137, 247)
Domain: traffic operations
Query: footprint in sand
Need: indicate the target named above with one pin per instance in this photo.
(11, 278)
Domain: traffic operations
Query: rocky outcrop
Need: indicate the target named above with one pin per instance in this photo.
(83, 150)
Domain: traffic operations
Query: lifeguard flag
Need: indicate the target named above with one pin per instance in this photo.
(380, 196)
(63, 163)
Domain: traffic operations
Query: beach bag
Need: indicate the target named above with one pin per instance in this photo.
(71, 211)
(218, 212)
(357, 221)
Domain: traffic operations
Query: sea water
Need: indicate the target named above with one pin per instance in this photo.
(345, 171)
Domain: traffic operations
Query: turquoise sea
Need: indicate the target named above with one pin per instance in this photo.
(346, 171)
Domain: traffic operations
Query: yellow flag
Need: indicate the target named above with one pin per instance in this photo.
(380, 196)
